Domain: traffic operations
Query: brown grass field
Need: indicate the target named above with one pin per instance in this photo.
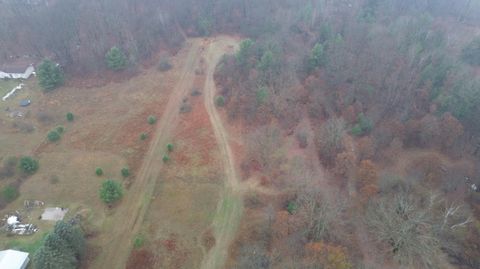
(170, 207)
(105, 133)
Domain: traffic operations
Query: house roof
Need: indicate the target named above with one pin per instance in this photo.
(18, 66)
(12, 259)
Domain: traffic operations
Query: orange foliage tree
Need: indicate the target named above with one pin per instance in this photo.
(327, 255)
(451, 130)
(366, 148)
(367, 178)
(344, 164)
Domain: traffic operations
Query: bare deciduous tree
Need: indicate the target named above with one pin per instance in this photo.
(412, 226)
(330, 139)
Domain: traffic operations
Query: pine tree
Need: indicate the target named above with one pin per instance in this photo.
(317, 57)
(53, 258)
(111, 191)
(72, 235)
(116, 59)
(50, 75)
(61, 249)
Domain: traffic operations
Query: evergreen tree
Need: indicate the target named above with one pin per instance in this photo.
(244, 52)
(116, 59)
(73, 237)
(61, 249)
(28, 165)
(111, 191)
(317, 57)
(266, 61)
(50, 75)
(53, 258)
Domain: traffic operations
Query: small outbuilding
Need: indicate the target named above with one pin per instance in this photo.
(13, 259)
(54, 213)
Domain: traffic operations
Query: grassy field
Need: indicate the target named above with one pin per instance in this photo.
(180, 209)
(7, 85)
(185, 198)
(105, 133)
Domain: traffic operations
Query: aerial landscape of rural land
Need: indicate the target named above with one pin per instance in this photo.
(240, 134)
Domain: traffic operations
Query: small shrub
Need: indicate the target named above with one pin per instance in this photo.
(138, 242)
(45, 118)
(196, 92)
(99, 171)
(111, 191)
(262, 95)
(125, 172)
(170, 147)
(365, 123)
(70, 116)
(220, 101)
(356, 130)
(8, 168)
(143, 136)
(9, 193)
(24, 127)
(28, 165)
(60, 129)
(185, 108)
(291, 207)
(53, 136)
(164, 65)
(363, 126)
(151, 119)
(166, 158)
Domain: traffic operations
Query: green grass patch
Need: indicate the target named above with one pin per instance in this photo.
(26, 244)
(7, 85)
(138, 241)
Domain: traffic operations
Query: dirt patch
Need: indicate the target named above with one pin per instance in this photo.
(208, 240)
(141, 258)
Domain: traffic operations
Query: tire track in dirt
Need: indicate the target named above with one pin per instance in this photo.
(121, 227)
(230, 206)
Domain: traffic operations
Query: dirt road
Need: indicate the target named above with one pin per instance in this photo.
(230, 206)
(121, 227)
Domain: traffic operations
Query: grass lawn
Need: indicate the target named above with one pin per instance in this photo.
(27, 244)
(8, 85)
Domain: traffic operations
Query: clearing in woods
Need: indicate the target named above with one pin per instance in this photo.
(126, 222)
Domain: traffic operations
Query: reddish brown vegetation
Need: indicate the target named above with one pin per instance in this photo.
(327, 255)
(141, 258)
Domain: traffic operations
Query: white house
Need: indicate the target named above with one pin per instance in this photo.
(16, 71)
(13, 259)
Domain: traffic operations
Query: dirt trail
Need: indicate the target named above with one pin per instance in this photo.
(230, 206)
(121, 227)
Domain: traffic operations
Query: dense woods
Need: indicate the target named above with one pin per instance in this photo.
(374, 82)
(374, 79)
